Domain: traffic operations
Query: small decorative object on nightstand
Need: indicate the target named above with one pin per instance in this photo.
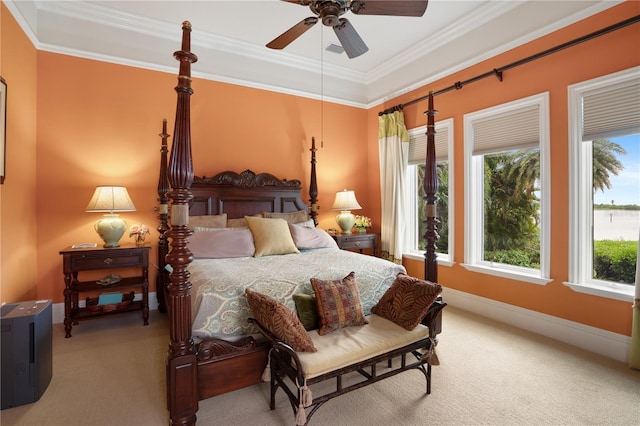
(357, 242)
(139, 233)
(362, 224)
(112, 298)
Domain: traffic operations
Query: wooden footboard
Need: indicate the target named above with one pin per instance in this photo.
(225, 366)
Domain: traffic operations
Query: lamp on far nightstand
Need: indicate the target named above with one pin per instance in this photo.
(345, 202)
(111, 199)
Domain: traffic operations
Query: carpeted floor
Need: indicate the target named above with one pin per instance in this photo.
(111, 372)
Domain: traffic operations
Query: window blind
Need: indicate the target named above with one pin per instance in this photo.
(516, 129)
(614, 111)
(418, 144)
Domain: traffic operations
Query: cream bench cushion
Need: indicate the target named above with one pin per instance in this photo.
(354, 344)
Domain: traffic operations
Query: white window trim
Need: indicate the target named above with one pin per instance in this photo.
(580, 220)
(474, 212)
(444, 259)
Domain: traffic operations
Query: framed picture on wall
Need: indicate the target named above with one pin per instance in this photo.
(3, 128)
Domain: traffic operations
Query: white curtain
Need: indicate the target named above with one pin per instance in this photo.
(634, 353)
(393, 147)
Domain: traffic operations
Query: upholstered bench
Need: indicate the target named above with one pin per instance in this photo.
(300, 358)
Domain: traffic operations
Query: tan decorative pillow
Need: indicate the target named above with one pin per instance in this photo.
(240, 222)
(271, 236)
(279, 320)
(209, 221)
(338, 303)
(291, 217)
(407, 300)
(237, 223)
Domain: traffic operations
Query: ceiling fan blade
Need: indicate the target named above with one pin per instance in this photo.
(292, 33)
(349, 38)
(389, 7)
(300, 2)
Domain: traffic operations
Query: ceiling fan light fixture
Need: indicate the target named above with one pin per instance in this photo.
(334, 48)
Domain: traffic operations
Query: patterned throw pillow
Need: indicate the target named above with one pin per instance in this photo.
(407, 301)
(338, 303)
(279, 320)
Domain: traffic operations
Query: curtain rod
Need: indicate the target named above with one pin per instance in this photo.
(498, 71)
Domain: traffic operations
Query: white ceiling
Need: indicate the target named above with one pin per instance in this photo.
(229, 39)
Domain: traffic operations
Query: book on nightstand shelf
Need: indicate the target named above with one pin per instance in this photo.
(109, 298)
(84, 245)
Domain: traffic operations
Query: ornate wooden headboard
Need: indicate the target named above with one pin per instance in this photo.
(244, 194)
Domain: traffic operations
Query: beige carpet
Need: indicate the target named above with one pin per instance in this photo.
(111, 372)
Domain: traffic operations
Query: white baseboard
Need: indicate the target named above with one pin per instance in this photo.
(58, 308)
(603, 342)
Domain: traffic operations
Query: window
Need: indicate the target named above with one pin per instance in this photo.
(416, 227)
(604, 140)
(507, 190)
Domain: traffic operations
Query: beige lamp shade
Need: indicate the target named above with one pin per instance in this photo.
(111, 199)
(345, 202)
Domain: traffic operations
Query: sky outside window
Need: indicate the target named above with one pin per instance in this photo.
(625, 188)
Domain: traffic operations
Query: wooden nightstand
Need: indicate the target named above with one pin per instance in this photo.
(357, 242)
(98, 258)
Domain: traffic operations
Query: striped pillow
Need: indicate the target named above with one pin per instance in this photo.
(338, 303)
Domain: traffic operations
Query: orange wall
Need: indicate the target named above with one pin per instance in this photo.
(607, 54)
(18, 194)
(98, 123)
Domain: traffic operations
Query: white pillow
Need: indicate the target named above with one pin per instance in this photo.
(222, 243)
(310, 238)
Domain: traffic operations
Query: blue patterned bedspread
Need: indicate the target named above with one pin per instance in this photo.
(219, 307)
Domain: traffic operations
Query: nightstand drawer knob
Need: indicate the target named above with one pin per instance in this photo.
(358, 243)
(108, 261)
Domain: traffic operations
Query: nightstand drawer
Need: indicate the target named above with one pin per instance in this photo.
(357, 241)
(87, 261)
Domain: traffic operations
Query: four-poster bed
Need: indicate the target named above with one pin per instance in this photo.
(200, 367)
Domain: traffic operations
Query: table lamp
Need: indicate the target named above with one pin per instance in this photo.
(345, 202)
(110, 199)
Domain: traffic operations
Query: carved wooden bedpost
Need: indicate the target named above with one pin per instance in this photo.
(313, 185)
(162, 279)
(182, 386)
(431, 188)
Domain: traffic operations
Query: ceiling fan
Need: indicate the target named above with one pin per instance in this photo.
(330, 12)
